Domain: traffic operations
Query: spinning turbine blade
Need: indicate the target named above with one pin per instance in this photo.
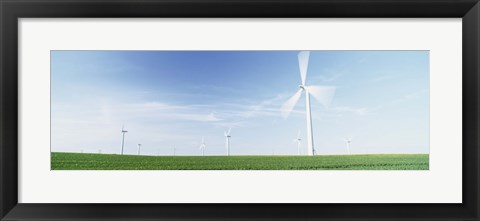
(287, 107)
(323, 94)
(229, 129)
(298, 135)
(303, 63)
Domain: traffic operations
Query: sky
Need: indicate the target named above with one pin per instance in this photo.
(171, 99)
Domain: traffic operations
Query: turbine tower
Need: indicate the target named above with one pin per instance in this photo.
(298, 140)
(348, 141)
(203, 146)
(322, 94)
(227, 140)
(138, 148)
(123, 138)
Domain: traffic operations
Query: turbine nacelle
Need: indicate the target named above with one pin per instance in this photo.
(227, 133)
(349, 140)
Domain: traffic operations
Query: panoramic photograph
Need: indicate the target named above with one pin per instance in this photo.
(239, 110)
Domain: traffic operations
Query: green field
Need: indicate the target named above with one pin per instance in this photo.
(84, 161)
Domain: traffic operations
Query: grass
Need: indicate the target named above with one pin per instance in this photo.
(84, 161)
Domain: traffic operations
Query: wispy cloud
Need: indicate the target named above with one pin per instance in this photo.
(352, 110)
(383, 78)
(216, 88)
(269, 107)
(173, 112)
(410, 96)
(330, 77)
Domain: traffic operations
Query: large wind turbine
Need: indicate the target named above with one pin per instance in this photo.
(298, 141)
(348, 141)
(123, 138)
(203, 146)
(322, 94)
(227, 140)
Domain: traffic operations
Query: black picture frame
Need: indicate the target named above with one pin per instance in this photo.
(12, 10)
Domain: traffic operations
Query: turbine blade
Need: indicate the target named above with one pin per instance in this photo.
(288, 106)
(323, 94)
(298, 135)
(303, 57)
(229, 129)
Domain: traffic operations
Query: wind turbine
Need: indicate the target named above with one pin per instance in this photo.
(298, 141)
(123, 138)
(203, 146)
(322, 94)
(138, 148)
(227, 140)
(348, 141)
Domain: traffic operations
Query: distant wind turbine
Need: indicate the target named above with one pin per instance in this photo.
(227, 140)
(298, 140)
(323, 94)
(123, 138)
(203, 146)
(348, 141)
(138, 148)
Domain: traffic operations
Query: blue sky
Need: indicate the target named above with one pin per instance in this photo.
(170, 99)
